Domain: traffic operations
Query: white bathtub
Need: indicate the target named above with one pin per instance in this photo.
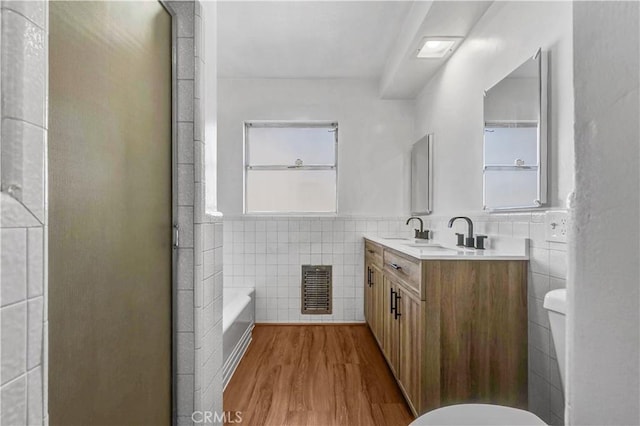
(238, 316)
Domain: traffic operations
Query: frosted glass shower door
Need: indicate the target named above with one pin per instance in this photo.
(110, 213)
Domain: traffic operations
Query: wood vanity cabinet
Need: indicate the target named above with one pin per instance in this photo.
(452, 331)
(391, 327)
(373, 290)
(410, 347)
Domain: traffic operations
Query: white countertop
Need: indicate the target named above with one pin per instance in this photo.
(500, 248)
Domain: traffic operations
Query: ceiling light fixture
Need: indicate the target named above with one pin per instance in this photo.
(437, 47)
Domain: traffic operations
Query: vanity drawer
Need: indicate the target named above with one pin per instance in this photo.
(405, 268)
(373, 253)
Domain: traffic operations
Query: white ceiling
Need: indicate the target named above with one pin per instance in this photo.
(340, 39)
(307, 39)
(405, 75)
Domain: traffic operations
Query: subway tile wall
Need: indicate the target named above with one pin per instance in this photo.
(199, 258)
(23, 225)
(267, 253)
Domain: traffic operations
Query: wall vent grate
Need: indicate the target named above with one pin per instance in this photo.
(316, 289)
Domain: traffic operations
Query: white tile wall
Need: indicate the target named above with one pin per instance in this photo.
(208, 336)
(14, 265)
(185, 295)
(199, 337)
(267, 252)
(23, 243)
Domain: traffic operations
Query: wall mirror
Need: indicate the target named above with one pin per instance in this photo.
(422, 176)
(515, 138)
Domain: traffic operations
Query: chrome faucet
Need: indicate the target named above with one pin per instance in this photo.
(421, 233)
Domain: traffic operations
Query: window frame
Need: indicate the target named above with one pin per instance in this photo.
(331, 126)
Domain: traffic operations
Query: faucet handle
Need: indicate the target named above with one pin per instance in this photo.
(480, 241)
(460, 239)
(421, 235)
(469, 242)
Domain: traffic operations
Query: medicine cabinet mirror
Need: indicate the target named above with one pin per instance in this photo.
(422, 176)
(515, 138)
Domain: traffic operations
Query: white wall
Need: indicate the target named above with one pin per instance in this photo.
(451, 105)
(604, 386)
(375, 137)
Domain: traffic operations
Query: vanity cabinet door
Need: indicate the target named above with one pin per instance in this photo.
(377, 302)
(373, 300)
(391, 325)
(410, 346)
(368, 296)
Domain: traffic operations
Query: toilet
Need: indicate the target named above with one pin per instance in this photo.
(555, 302)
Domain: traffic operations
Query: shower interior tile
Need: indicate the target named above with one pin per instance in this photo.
(35, 324)
(34, 397)
(35, 262)
(13, 398)
(14, 265)
(23, 82)
(14, 341)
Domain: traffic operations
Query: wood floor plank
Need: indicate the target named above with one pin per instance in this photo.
(325, 375)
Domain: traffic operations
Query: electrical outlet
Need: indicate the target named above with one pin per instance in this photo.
(556, 225)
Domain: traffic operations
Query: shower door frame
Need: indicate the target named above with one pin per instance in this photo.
(183, 15)
(174, 207)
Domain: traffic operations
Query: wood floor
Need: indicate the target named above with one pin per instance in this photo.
(315, 375)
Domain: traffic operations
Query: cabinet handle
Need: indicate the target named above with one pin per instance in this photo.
(370, 251)
(391, 299)
(371, 275)
(397, 314)
(395, 266)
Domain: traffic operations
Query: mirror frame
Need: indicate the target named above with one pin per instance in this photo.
(541, 57)
(417, 172)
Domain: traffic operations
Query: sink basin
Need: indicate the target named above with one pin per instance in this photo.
(396, 238)
(435, 248)
(424, 244)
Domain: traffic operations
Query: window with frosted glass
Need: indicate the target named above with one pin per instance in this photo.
(290, 167)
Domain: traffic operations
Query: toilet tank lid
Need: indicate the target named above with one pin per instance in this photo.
(556, 300)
